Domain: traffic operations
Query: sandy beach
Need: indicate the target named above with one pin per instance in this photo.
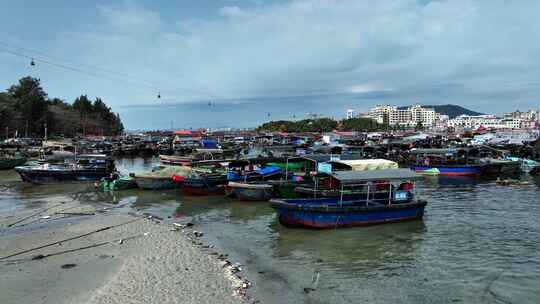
(112, 257)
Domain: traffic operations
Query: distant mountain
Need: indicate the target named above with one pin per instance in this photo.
(451, 110)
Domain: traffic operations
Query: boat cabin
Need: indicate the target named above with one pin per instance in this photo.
(387, 185)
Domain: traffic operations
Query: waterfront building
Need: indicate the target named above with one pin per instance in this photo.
(523, 120)
(475, 121)
(512, 123)
(406, 117)
(529, 115)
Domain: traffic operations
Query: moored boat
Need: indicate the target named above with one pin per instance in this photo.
(117, 183)
(448, 162)
(526, 165)
(11, 161)
(160, 178)
(286, 188)
(176, 160)
(396, 204)
(443, 170)
(251, 191)
(204, 184)
(86, 168)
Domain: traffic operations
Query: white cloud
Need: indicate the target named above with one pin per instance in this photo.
(232, 11)
(367, 88)
(317, 46)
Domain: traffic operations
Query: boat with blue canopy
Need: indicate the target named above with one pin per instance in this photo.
(382, 196)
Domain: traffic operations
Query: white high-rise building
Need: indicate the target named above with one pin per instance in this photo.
(381, 113)
(350, 113)
(408, 117)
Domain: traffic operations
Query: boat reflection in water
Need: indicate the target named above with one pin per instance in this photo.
(352, 250)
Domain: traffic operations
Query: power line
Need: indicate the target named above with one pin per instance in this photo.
(99, 72)
(104, 73)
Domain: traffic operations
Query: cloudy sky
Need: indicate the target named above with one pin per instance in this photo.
(257, 60)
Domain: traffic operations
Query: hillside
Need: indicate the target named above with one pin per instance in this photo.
(451, 110)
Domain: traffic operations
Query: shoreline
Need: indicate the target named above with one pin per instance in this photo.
(138, 259)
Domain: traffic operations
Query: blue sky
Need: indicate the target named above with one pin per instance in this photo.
(253, 58)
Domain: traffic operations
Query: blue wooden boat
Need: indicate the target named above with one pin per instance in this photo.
(446, 162)
(398, 203)
(463, 170)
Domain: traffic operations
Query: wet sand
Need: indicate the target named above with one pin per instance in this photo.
(137, 260)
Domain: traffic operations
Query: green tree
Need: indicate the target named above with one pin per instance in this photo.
(360, 124)
(26, 108)
(31, 105)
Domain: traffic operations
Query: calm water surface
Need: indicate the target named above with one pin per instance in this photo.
(478, 243)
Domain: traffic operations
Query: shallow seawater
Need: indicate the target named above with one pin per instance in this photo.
(479, 242)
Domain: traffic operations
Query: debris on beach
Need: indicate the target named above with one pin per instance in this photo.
(68, 266)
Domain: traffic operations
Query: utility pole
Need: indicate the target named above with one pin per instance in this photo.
(7, 132)
(45, 126)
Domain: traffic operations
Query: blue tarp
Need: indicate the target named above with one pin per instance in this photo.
(233, 176)
(209, 144)
(269, 170)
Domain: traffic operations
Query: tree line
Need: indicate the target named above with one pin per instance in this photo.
(26, 110)
(323, 125)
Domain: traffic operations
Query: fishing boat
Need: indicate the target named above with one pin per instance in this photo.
(175, 160)
(375, 206)
(11, 161)
(526, 165)
(257, 191)
(204, 184)
(286, 188)
(324, 185)
(448, 162)
(251, 185)
(86, 168)
(160, 178)
(117, 183)
(57, 151)
(499, 167)
(263, 173)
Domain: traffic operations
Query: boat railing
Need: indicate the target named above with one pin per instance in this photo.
(371, 189)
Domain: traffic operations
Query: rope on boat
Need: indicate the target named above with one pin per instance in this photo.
(337, 222)
(70, 239)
